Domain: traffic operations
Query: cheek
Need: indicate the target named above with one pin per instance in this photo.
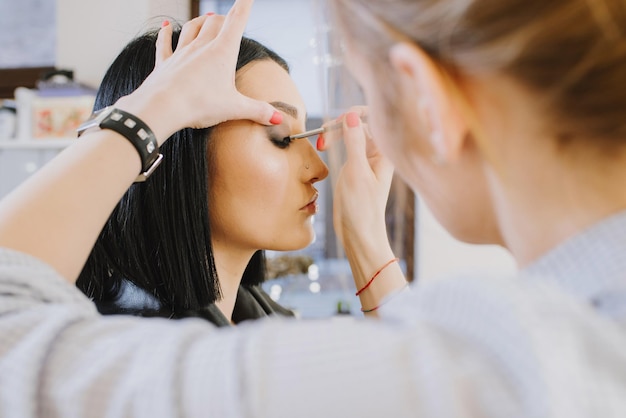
(251, 189)
(459, 198)
(380, 116)
(388, 130)
(254, 178)
(256, 200)
(399, 135)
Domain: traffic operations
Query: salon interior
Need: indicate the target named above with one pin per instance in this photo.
(54, 53)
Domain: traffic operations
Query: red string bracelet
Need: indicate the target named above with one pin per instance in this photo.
(370, 310)
(385, 301)
(393, 260)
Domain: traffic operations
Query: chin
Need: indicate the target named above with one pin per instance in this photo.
(293, 243)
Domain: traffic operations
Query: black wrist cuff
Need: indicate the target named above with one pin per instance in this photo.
(139, 134)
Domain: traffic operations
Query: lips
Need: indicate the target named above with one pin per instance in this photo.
(311, 201)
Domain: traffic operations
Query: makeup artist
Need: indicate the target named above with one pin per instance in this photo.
(505, 116)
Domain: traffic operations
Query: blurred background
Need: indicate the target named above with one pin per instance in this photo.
(53, 54)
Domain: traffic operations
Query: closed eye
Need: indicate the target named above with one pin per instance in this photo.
(282, 142)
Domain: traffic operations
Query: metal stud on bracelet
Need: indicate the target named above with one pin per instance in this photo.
(131, 128)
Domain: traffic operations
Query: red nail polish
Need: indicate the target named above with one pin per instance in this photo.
(321, 142)
(277, 118)
(165, 23)
(210, 14)
(352, 119)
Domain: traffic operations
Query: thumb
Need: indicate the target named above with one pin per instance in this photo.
(258, 111)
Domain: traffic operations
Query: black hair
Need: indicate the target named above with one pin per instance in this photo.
(158, 236)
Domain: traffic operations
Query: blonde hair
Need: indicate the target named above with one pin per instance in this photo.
(570, 53)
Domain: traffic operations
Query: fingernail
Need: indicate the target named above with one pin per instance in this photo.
(210, 14)
(165, 23)
(277, 118)
(352, 119)
(320, 142)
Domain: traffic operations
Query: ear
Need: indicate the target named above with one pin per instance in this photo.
(433, 98)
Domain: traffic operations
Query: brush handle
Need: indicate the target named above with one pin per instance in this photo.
(317, 131)
(322, 130)
(308, 133)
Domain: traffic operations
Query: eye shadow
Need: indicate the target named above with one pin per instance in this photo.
(278, 132)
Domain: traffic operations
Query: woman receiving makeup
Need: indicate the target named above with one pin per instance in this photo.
(190, 241)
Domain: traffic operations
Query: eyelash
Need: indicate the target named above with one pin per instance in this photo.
(283, 142)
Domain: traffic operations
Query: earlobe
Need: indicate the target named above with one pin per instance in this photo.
(433, 100)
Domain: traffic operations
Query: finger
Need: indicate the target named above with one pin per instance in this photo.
(382, 167)
(190, 30)
(258, 111)
(235, 24)
(361, 110)
(164, 43)
(211, 28)
(354, 138)
(332, 135)
(333, 132)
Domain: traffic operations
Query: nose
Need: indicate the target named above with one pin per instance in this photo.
(313, 167)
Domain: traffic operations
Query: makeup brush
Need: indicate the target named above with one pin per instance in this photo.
(312, 132)
(321, 130)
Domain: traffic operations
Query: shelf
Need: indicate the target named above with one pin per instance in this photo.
(36, 143)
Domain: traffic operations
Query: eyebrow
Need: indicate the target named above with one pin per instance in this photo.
(287, 108)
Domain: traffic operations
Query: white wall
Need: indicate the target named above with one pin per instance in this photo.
(288, 27)
(90, 33)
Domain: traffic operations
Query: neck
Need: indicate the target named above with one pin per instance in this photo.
(230, 263)
(560, 197)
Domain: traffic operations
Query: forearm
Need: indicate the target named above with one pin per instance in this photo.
(57, 214)
(368, 255)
